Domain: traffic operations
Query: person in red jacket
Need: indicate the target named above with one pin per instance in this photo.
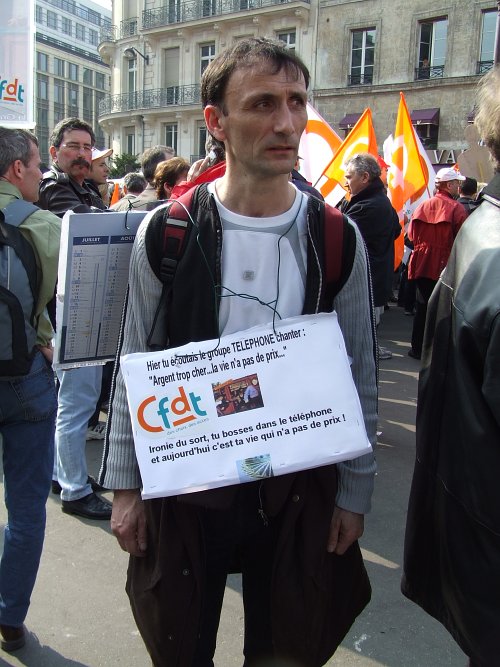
(433, 228)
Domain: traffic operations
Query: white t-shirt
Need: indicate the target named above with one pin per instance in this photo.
(263, 262)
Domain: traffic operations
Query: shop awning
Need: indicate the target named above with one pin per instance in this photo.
(349, 120)
(425, 116)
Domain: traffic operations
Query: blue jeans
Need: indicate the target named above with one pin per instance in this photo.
(27, 418)
(78, 394)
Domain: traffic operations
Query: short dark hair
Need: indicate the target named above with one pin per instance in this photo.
(152, 157)
(168, 172)
(134, 182)
(15, 144)
(468, 187)
(245, 54)
(66, 125)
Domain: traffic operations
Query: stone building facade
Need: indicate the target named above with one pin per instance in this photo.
(434, 52)
(361, 53)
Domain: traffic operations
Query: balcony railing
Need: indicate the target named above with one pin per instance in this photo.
(159, 98)
(360, 79)
(434, 72)
(484, 66)
(192, 10)
(127, 28)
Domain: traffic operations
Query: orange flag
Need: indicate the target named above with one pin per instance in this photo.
(361, 139)
(409, 175)
(115, 196)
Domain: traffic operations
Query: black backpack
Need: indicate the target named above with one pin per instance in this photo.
(175, 229)
(18, 291)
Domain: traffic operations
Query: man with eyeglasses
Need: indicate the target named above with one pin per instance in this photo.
(63, 186)
(62, 189)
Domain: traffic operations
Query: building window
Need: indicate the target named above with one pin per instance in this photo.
(42, 83)
(88, 76)
(59, 67)
(129, 133)
(362, 56)
(38, 14)
(73, 72)
(99, 80)
(432, 49)
(87, 99)
(171, 135)
(80, 32)
(202, 139)
(51, 19)
(131, 76)
(58, 91)
(66, 26)
(72, 99)
(93, 37)
(488, 28)
(42, 62)
(288, 38)
(207, 54)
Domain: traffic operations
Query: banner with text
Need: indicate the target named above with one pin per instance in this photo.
(258, 403)
(17, 48)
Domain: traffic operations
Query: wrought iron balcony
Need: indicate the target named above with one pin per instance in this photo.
(159, 98)
(193, 10)
(360, 79)
(484, 66)
(434, 72)
(127, 28)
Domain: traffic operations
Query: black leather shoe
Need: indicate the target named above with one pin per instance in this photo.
(90, 507)
(56, 487)
(12, 638)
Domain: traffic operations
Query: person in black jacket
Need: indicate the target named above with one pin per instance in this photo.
(371, 210)
(63, 188)
(452, 541)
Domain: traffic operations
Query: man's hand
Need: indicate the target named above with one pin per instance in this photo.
(128, 521)
(345, 528)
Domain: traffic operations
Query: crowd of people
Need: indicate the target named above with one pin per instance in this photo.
(294, 538)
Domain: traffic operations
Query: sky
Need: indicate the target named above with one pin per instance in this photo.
(104, 3)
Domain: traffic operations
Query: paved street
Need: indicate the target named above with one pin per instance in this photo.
(80, 615)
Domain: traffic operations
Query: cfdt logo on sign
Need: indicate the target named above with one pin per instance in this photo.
(170, 412)
(11, 91)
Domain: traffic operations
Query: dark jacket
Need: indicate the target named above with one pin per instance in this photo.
(315, 596)
(60, 193)
(379, 225)
(452, 543)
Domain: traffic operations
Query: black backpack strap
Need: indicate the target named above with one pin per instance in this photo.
(165, 241)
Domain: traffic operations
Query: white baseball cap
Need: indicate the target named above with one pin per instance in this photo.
(448, 174)
(98, 154)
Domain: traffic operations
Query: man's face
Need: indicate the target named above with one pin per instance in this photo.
(99, 171)
(355, 181)
(74, 155)
(30, 176)
(262, 121)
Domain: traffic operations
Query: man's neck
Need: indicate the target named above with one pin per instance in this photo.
(255, 198)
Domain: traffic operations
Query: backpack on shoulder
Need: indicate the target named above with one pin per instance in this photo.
(18, 291)
(174, 234)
